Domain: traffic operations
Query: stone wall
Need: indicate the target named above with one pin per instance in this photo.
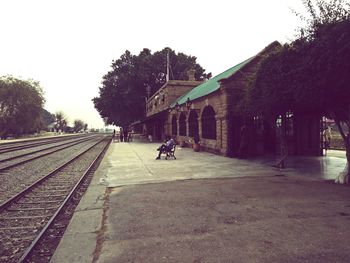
(168, 94)
(223, 102)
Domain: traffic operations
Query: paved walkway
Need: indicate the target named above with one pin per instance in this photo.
(139, 209)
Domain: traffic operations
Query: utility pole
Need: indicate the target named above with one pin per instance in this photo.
(167, 66)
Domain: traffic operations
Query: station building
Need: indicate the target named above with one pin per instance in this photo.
(207, 110)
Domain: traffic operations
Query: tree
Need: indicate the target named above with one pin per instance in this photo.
(312, 73)
(47, 118)
(123, 92)
(21, 105)
(78, 125)
(61, 121)
(330, 53)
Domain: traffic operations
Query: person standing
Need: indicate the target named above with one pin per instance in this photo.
(126, 135)
(113, 136)
(327, 135)
(121, 134)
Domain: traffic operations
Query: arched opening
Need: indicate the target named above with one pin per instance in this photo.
(193, 124)
(182, 124)
(174, 125)
(208, 123)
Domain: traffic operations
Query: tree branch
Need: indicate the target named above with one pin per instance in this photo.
(340, 128)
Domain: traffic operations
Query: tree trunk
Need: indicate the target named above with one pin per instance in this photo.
(343, 177)
(283, 147)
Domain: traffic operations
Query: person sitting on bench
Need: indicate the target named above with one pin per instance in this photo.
(165, 147)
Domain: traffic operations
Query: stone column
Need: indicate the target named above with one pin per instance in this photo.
(177, 127)
(225, 134)
(187, 124)
(199, 126)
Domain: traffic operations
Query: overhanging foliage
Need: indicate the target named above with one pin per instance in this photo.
(310, 75)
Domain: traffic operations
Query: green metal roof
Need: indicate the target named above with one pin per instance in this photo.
(210, 85)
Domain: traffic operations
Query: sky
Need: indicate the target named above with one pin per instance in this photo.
(68, 45)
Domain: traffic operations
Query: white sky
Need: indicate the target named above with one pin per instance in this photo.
(68, 45)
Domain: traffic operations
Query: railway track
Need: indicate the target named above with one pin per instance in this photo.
(18, 175)
(15, 146)
(25, 218)
(15, 160)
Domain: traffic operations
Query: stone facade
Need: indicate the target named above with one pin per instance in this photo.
(215, 100)
(167, 94)
(158, 104)
(213, 118)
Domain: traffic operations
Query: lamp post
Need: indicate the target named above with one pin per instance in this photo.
(177, 106)
(148, 91)
(188, 103)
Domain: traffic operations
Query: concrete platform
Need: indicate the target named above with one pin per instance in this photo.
(207, 208)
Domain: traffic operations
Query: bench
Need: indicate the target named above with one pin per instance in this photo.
(170, 153)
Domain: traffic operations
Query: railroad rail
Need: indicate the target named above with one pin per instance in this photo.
(25, 217)
(8, 162)
(18, 145)
(14, 179)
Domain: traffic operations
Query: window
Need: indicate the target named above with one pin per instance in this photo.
(182, 124)
(174, 125)
(208, 123)
(193, 124)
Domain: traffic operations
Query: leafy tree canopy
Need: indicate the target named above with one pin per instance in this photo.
(21, 105)
(47, 117)
(78, 125)
(61, 121)
(311, 74)
(122, 95)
